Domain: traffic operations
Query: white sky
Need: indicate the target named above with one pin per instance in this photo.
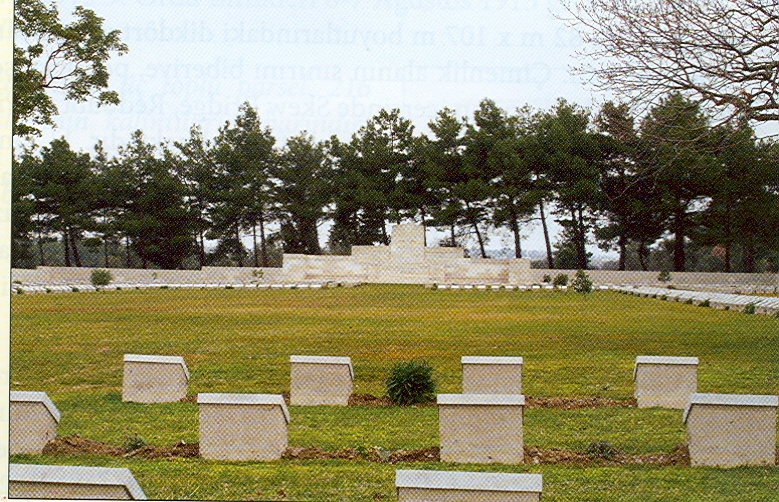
(325, 66)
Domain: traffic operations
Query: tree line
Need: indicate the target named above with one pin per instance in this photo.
(668, 181)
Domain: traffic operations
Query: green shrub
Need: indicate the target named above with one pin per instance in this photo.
(560, 280)
(581, 283)
(547, 279)
(749, 308)
(664, 276)
(776, 314)
(705, 303)
(689, 301)
(410, 382)
(132, 443)
(601, 449)
(100, 277)
(74, 289)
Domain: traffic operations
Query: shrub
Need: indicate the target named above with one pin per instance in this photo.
(560, 280)
(664, 276)
(547, 279)
(410, 382)
(749, 308)
(705, 303)
(132, 443)
(601, 449)
(688, 302)
(581, 283)
(100, 277)
(74, 289)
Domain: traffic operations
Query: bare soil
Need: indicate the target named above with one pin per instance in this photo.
(75, 445)
(561, 403)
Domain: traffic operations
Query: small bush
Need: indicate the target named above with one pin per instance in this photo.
(749, 308)
(560, 280)
(410, 382)
(601, 449)
(705, 303)
(100, 277)
(688, 302)
(581, 283)
(547, 279)
(74, 289)
(132, 443)
(664, 276)
(776, 314)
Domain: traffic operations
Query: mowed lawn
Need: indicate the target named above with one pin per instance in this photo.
(71, 346)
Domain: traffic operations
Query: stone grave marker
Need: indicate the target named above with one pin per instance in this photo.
(31, 481)
(154, 379)
(728, 430)
(317, 380)
(33, 420)
(481, 428)
(242, 426)
(492, 375)
(452, 486)
(663, 381)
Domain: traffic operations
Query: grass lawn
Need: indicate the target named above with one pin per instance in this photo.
(71, 346)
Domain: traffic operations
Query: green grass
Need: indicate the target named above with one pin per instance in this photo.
(71, 346)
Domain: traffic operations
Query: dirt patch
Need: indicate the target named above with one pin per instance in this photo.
(556, 456)
(75, 445)
(189, 399)
(573, 403)
(369, 400)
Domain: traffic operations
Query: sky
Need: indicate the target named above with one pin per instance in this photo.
(323, 66)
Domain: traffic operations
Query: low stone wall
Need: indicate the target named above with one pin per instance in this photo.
(303, 268)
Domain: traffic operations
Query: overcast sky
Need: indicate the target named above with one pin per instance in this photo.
(324, 66)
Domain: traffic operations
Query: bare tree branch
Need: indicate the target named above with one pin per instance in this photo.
(724, 54)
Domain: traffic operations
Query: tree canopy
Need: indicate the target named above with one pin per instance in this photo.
(51, 56)
(723, 54)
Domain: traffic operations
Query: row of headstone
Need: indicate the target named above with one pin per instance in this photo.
(504, 287)
(31, 481)
(68, 288)
(481, 425)
(767, 305)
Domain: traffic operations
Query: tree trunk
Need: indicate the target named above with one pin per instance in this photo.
(517, 240)
(749, 258)
(263, 244)
(451, 230)
(384, 237)
(622, 244)
(254, 239)
(424, 226)
(549, 262)
(40, 248)
(105, 251)
(728, 238)
(642, 255)
(66, 243)
(202, 250)
(581, 251)
(678, 241)
(76, 256)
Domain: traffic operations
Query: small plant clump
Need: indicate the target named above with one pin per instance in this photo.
(547, 279)
(664, 276)
(582, 283)
(601, 449)
(132, 443)
(705, 303)
(749, 308)
(560, 280)
(100, 277)
(410, 382)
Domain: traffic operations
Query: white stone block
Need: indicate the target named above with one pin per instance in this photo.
(32, 481)
(33, 420)
(664, 381)
(242, 426)
(728, 430)
(320, 380)
(449, 486)
(481, 428)
(154, 379)
(492, 375)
